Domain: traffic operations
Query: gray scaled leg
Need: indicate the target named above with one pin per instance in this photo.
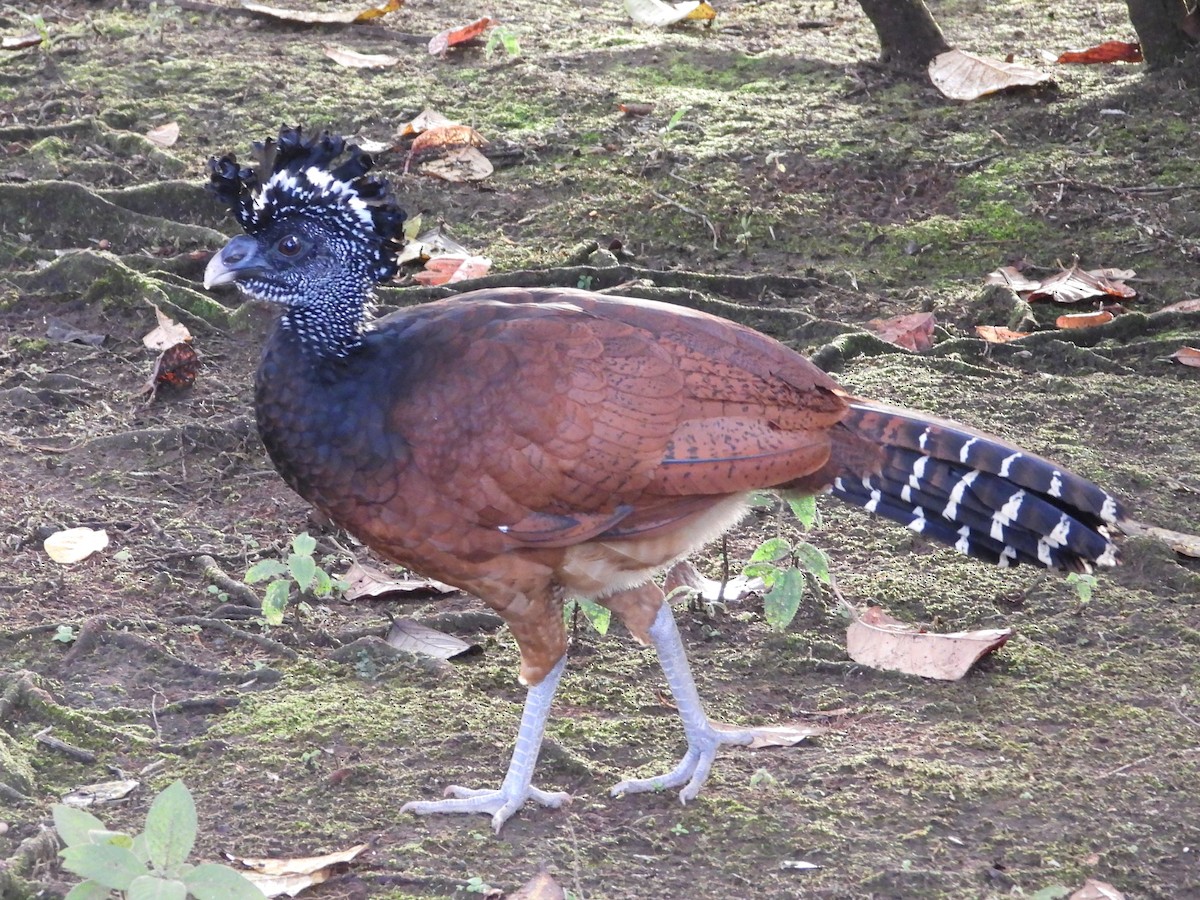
(703, 738)
(517, 786)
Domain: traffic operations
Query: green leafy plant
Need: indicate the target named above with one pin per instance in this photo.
(65, 634)
(786, 568)
(599, 617)
(1084, 586)
(476, 885)
(504, 39)
(148, 866)
(300, 568)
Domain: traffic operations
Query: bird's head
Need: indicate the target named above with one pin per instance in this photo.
(320, 233)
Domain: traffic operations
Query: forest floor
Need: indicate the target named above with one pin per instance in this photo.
(782, 177)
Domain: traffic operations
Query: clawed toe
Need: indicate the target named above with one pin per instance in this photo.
(500, 804)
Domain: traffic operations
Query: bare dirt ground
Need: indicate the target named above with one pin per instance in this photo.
(823, 192)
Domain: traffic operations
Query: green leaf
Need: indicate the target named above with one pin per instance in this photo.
(151, 887)
(115, 838)
(814, 560)
(74, 825)
(275, 602)
(264, 569)
(805, 509)
(171, 827)
(323, 585)
(304, 544)
(88, 890)
(783, 601)
(212, 881)
(599, 616)
(303, 569)
(771, 550)
(140, 850)
(113, 867)
(768, 572)
(677, 117)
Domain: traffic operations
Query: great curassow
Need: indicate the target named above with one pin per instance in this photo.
(530, 445)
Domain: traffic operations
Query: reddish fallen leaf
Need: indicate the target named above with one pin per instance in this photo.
(339, 17)
(634, 110)
(1107, 52)
(876, 639)
(913, 331)
(1084, 320)
(440, 43)
(541, 886)
(1068, 286)
(424, 122)
(1183, 306)
(1188, 356)
(998, 334)
(451, 267)
(176, 368)
(443, 137)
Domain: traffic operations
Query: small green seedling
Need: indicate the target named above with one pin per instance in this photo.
(476, 885)
(148, 866)
(599, 617)
(785, 567)
(300, 568)
(1084, 586)
(65, 634)
(502, 38)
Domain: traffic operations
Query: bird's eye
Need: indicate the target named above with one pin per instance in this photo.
(290, 245)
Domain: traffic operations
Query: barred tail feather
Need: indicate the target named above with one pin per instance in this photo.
(982, 496)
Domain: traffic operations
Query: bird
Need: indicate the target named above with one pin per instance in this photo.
(531, 445)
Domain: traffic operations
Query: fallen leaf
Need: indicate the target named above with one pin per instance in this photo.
(964, 76)
(1107, 52)
(877, 640)
(276, 877)
(541, 886)
(164, 135)
(426, 120)
(168, 333)
(445, 137)
(20, 41)
(440, 43)
(798, 865)
(1074, 284)
(1179, 541)
(102, 792)
(1013, 278)
(66, 333)
(659, 14)
(355, 60)
(405, 634)
(1183, 306)
(1084, 320)
(785, 735)
(1097, 890)
(913, 331)
(684, 575)
(459, 165)
(451, 268)
(368, 582)
(633, 110)
(998, 334)
(347, 17)
(434, 242)
(1187, 356)
(176, 368)
(75, 544)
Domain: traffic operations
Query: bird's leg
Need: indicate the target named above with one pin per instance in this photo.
(703, 738)
(517, 787)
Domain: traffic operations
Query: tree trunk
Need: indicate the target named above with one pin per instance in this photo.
(1166, 29)
(908, 35)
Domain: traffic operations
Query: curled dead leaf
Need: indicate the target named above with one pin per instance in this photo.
(164, 135)
(998, 334)
(913, 331)
(452, 267)
(176, 368)
(424, 122)
(354, 60)
(75, 544)
(308, 17)
(366, 581)
(1106, 52)
(275, 877)
(1084, 320)
(877, 640)
(20, 41)
(659, 14)
(1183, 306)
(633, 110)
(964, 76)
(440, 43)
(167, 333)
(444, 137)
(459, 165)
(1187, 356)
(405, 634)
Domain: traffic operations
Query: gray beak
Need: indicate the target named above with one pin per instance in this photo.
(237, 259)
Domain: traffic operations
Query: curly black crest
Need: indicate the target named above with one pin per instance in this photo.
(298, 176)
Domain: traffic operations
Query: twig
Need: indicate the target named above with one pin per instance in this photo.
(691, 212)
(263, 641)
(236, 589)
(77, 753)
(1119, 769)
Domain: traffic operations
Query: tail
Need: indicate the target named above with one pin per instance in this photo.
(983, 497)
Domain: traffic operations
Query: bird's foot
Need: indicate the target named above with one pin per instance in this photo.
(501, 804)
(693, 769)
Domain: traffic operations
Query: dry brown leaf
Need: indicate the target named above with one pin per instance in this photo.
(367, 582)
(440, 43)
(20, 41)
(167, 333)
(1097, 890)
(1106, 52)
(634, 110)
(277, 877)
(1084, 320)
(876, 639)
(964, 76)
(684, 575)
(102, 792)
(459, 165)
(1187, 356)
(176, 368)
(164, 135)
(913, 331)
(786, 735)
(1183, 306)
(998, 334)
(348, 17)
(75, 544)
(541, 886)
(659, 14)
(424, 122)
(354, 60)
(1013, 278)
(452, 267)
(405, 634)
(1074, 284)
(444, 137)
